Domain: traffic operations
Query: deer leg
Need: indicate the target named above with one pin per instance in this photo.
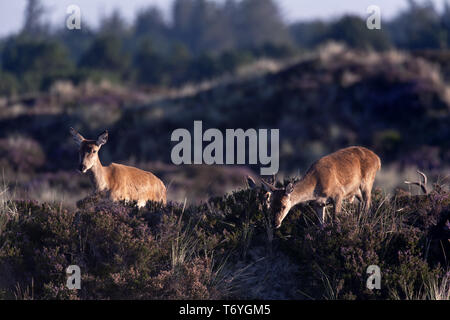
(358, 196)
(351, 199)
(337, 206)
(324, 215)
(319, 207)
(366, 195)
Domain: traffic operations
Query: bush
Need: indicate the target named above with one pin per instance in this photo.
(106, 54)
(37, 63)
(199, 252)
(21, 154)
(8, 84)
(123, 253)
(402, 236)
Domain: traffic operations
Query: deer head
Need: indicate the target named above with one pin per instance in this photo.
(88, 149)
(278, 200)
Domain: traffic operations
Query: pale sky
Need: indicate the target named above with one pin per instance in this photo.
(11, 11)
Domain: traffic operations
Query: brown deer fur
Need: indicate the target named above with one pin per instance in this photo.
(344, 174)
(120, 181)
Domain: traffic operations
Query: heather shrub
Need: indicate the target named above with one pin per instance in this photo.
(405, 240)
(123, 253)
(218, 249)
(187, 281)
(242, 220)
(37, 245)
(21, 154)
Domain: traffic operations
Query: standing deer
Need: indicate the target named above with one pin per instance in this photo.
(120, 181)
(344, 174)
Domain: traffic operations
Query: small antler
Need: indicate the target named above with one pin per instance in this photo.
(421, 184)
(271, 180)
(269, 183)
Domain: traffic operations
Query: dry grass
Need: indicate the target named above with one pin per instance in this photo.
(434, 288)
(8, 208)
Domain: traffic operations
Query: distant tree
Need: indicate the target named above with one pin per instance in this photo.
(105, 53)
(150, 22)
(417, 27)
(445, 25)
(113, 24)
(353, 31)
(231, 60)
(23, 55)
(151, 66)
(260, 22)
(182, 12)
(178, 63)
(202, 26)
(34, 25)
(309, 34)
(35, 62)
(205, 66)
(8, 84)
(230, 13)
(77, 42)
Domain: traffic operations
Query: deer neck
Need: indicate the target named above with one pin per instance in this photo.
(303, 190)
(99, 176)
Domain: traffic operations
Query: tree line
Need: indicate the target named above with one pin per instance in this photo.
(203, 39)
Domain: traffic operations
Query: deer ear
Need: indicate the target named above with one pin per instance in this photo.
(76, 136)
(251, 182)
(289, 188)
(102, 139)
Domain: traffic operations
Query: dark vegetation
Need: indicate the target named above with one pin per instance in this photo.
(394, 103)
(205, 40)
(140, 81)
(233, 64)
(225, 248)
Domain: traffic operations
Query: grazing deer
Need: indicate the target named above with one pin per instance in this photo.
(120, 181)
(344, 174)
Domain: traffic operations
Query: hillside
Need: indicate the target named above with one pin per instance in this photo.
(209, 243)
(210, 97)
(392, 102)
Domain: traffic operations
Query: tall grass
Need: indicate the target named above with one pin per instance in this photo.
(384, 217)
(185, 244)
(438, 289)
(434, 288)
(8, 207)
